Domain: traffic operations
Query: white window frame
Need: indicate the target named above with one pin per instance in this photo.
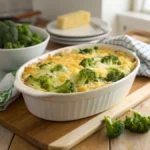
(146, 6)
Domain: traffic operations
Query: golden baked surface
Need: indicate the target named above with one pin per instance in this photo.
(78, 70)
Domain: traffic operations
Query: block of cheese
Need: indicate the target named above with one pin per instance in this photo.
(73, 20)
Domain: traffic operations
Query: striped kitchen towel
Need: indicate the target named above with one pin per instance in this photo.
(8, 92)
(142, 50)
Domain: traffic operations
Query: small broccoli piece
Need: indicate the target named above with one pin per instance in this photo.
(88, 50)
(32, 81)
(85, 51)
(96, 47)
(17, 45)
(8, 33)
(41, 66)
(24, 30)
(67, 87)
(58, 67)
(10, 45)
(86, 62)
(30, 78)
(36, 39)
(46, 82)
(137, 123)
(26, 37)
(85, 76)
(115, 75)
(111, 60)
(114, 128)
(43, 81)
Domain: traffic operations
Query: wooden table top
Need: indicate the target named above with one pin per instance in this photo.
(98, 141)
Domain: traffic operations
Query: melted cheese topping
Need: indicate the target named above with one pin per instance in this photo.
(71, 67)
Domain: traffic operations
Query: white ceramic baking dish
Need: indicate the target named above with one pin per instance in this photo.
(72, 106)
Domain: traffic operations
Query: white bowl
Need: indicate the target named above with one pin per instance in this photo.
(72, 106)
(11, 59)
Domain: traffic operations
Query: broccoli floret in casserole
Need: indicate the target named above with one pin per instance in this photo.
(67, 87)
(137, 123)
(111, 60)
(115, 75)
(46, 82)
(30, 78)
(86, 62)
(41, 66)
(32, 81)
(58, 67)
(85, 76)
(88, 50)
(96, 47)
(114, 127)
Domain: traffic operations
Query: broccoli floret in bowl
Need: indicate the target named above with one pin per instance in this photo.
(13, 49)
(17, 36)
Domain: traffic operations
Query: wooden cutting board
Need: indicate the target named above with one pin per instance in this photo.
(64, 135)
(140, 35)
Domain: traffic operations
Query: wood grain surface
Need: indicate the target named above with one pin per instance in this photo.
(40, 132)
(30, 124)
(134, 141)
(5, 138)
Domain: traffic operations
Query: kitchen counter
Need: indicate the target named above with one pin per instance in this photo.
(98, 141)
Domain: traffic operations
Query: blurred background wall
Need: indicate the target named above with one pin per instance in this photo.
(105, 9)
(15, 5)
(122, 15)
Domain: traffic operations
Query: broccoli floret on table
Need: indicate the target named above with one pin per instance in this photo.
(85, 76)
(114, 127)
(86, 62)
(137, 123)
(111, 60)
(115, 75)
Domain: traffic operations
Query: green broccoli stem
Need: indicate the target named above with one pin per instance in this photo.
(108, 122)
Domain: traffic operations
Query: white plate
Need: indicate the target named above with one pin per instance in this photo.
(79, 39)
(95, 28)
(73, 43)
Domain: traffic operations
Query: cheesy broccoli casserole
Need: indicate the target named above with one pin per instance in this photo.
(78, 70)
